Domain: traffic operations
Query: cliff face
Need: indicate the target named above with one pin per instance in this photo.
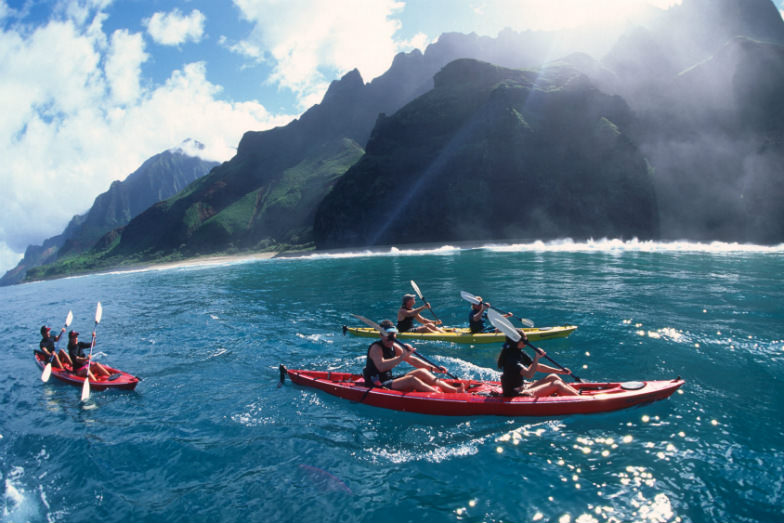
(493, 153)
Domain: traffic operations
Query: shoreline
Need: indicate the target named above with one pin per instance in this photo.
(206, 260)
(601, 245)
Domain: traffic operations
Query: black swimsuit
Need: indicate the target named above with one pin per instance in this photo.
(406, 324)
(374, 378)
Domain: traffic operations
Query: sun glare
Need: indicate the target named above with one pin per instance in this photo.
(567, 14)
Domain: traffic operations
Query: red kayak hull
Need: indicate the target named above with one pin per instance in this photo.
(121, 381)
(483, 397)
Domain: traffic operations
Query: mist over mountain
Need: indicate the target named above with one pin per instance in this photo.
(669, 128)
(158, 178)
(705, 81)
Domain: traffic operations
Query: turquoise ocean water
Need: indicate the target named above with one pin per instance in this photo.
(208, 436)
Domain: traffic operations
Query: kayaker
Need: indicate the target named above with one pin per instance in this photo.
(517, 367)
(406, 315)
(477, 316)
(80, 359)
(48, 348)
(385, 354)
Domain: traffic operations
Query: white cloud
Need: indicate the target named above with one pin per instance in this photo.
(310, 42)
(418, 41)
(8, 257)
(174, 28)
(123, 65)
(243, 48)
(77, 117)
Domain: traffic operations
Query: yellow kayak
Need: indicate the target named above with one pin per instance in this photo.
(463, 335)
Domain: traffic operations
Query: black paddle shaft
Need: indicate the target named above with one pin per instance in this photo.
(540, 351)
(417, 355)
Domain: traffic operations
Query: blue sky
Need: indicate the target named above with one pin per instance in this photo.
(89, 89)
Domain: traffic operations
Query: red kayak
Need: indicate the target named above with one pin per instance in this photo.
(116, 380)
(484, 397)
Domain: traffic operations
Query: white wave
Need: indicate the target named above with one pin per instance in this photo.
(605, 245)
(633, 245)
(219, 352)
(314, 338)
(381, 252)
(16, 505)
(437, 455)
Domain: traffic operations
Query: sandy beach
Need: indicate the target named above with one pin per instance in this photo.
(199, 261)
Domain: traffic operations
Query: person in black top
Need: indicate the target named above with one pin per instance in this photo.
(478, 315)
(517, 367)
(407, 314)
(48, 348)
(80, 359)
(385, 354)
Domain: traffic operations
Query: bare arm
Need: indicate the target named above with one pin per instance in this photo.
(529, 371)
(552, 370)
(385, 364)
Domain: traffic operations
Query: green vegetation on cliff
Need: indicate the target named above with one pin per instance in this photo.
(494, 153)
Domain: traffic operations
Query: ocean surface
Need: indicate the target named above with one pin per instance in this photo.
(209, 436)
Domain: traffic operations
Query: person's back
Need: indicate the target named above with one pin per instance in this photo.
(510, 362)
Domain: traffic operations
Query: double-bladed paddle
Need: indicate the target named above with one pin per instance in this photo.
(419, 293)
(502, 324)
(476, 301)
(48, 369)
(86, 386)
(380, 329)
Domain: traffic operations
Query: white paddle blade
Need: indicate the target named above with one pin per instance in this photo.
(98, 313)
(370, 323)
(469, 298)
(502, 324)
(86, 389)
(527, 323)
(68, 319)
(46, 373)
(416, 290)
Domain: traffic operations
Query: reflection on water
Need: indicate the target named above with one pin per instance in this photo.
(209, 435)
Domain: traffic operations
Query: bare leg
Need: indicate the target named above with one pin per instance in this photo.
(99, 369)
(549, 387)
(409, 382)
(65, 357)
(430, 379)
